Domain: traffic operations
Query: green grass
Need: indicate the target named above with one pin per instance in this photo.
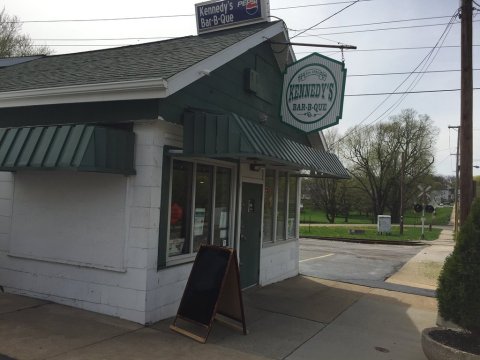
(442, 217)
(318, 217)
(409, 233)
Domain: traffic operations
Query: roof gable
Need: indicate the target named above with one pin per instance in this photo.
(152, 70)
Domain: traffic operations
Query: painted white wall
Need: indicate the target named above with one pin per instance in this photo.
(279, 262)
(130, 248)
(72, 217)
(164, 287)
(6, 196)
(133, 289)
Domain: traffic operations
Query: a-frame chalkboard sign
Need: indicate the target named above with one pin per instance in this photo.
(212, 293)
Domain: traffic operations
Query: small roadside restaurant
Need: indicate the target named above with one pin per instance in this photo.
(116, 165)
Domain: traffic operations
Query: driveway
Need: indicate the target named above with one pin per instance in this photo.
(356, 263)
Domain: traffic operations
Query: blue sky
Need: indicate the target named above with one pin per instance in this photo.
(383, 15)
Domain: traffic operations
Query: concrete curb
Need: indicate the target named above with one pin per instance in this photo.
(369, 241)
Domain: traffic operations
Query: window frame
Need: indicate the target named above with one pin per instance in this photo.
(185, 258)
(275, 240)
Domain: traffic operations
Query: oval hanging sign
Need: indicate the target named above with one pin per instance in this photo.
(312, 96)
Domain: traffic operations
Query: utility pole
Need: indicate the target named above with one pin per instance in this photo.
(466, 110)
(402, 182)
(457, 167)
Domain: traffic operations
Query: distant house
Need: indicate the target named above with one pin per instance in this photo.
(118, 164)
(444, 196)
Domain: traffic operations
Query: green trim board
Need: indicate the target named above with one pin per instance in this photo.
(233, 137)
(72, 147)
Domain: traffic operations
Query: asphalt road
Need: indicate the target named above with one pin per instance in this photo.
(361, 264)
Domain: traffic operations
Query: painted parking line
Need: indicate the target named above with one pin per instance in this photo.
(318, 257)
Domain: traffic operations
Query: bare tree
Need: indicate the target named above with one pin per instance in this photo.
(13, 42)
(375, 152)
(327, 194)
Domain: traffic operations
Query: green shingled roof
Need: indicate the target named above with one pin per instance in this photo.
(161, 59)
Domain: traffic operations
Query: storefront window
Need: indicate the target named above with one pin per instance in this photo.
(292, 206)
(268, 208)
(199, 215)
(281, 205)
(179, 239)
(223, 182)
(203, 206)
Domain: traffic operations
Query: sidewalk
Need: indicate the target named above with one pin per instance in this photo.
(423, 269)
(299, 318)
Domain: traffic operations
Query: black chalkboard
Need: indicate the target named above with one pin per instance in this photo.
(203, 288)
(213, 286)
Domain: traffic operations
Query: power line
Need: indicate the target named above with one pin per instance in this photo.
(171, 16)
(407, 48)
(424, 64)
(379, 23)
(102, 19)
(174, 37)
(404, 73)
(389, 49)
(110, 39)
(424, 61)
(327, 18)
(314, 5)
(408, 92)
(384, 29)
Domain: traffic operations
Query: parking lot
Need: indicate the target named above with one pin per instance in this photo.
(357, 263)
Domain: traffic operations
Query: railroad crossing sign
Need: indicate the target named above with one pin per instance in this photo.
(424, 191)
(424, 195)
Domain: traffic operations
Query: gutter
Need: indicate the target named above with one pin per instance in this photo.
(119, 90)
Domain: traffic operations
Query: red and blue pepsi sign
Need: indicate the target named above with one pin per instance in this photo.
(218, 15)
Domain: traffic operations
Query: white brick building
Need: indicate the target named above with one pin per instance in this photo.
(117, 164)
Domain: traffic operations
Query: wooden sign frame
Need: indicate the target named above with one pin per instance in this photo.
(212, 293)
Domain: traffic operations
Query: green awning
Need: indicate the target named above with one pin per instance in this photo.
(231, 136)
(74, 147)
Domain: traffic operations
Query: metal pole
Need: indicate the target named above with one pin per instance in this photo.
(423, 216)
(466, 109)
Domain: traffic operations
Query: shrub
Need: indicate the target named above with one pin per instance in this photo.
(458, 290)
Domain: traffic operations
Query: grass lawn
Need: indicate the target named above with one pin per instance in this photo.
(409, 233)
(441, 217)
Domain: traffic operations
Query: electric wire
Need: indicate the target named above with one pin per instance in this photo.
(350, 51)
(382, 29)
(408, 92)
(423, 61)
(418, 77)
(378, 23)
(404, 73)
(314, 5)
(172, 15)
(327, 18)
(311, 35)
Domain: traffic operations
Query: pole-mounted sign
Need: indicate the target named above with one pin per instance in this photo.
(218, 15)
(313, 91)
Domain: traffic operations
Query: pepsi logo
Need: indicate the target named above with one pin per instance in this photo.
(251, 7)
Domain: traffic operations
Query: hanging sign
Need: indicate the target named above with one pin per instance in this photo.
(219, 15)
(313, 91)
